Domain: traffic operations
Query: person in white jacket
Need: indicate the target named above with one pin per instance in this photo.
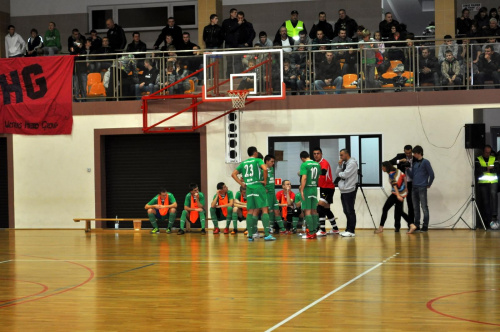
(347, 171)
(15, 46)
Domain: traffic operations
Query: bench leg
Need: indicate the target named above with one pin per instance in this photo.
(87, 226)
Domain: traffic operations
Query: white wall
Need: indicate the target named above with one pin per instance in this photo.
(52, 186)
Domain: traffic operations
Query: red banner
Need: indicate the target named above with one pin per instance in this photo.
(36, 95)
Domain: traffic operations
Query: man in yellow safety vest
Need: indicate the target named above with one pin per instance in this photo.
(486, 171)
(293, 27)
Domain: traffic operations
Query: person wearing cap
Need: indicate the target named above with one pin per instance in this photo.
(293, 26)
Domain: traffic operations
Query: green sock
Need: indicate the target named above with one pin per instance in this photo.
(316, 221)
(255, 224)
(265, 223)
(271, 218)
(202, 219)
(171, 219)
(213, 214)
(280, 223)
(183, 219)
(152, 219)
(295, 222)
(310, 223)
(228, 217)
(250, 225)
(234, 216)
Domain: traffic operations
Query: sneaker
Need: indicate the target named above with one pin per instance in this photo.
(269, 238)
(180, 232)
(347, 234)
(234, 231)
(168, 230)
(250, 239)
(226, 230)
(256, 235)
(309, 236)
(155, 231)
(284, 232)
(424, 229)
(320, 233)
(333, 231)
(203, 231)
(217, 230)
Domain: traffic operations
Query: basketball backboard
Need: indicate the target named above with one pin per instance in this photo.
(260, 71)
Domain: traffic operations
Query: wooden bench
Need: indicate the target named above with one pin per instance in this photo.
(88, 220)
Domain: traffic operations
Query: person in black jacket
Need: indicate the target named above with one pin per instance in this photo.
(463, 23)
(322, 25)
(149, 80)
(286, 41)
(403, 161)
(489, 66)
(428, 68)
(76, 42)
(186, 45)
(246, 33)
(345, 23)
(212, 33)
(171, 29)
(137, 45)
(34, 44)
(116, 35)
(328, 73)
(229, 27)
(385, 26)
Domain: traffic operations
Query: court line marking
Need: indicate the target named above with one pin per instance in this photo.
(247, 262)
(126, 271)
(6, 261)
(331, 293)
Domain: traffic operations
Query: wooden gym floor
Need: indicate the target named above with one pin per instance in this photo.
(67, 280)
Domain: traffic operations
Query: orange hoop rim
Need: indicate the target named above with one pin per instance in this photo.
(235, 93)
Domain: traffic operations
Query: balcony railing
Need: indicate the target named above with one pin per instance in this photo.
(364, 68)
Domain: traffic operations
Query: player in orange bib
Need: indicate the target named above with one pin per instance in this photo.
(159, 208)
(193, 209)
(222, 208)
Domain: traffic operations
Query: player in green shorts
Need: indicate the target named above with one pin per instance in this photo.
(272, 202)
(250, 170)
(161, 206)
(309, 172)
(193, 208)
(222, 208)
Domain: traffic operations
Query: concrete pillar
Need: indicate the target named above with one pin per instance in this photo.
(445, 16)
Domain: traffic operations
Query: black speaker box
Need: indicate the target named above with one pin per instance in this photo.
(475, 135)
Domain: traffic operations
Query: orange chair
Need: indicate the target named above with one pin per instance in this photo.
(347, 81)
(95, 87)
(394, 63)
(409, 77)
(388, 76)
(191, 87)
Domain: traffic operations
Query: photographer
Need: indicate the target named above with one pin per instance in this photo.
(403, 161)
(397, 179)
(423, 176)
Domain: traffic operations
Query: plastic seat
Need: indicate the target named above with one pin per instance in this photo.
(388, 76)
(394, 63)
(347, 81)
(409, 77)
(191, 87)
(95, 87)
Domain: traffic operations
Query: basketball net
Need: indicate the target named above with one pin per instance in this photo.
(238, 97)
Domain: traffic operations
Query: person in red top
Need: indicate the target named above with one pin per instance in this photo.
(326, 189)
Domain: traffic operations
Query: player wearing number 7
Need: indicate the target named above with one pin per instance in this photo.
(250, 170)
(309, 172)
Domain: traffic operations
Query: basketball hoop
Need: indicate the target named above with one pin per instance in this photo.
(238, 97)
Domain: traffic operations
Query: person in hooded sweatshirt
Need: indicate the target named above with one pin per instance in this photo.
(450, 70)
(14, 43)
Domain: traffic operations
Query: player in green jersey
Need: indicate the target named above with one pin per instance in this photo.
(250, 170)
(309, 172)
(193, 208)
(272, 202)
(222, 208)
(159, 208)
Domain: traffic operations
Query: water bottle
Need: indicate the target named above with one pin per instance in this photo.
(117, 223)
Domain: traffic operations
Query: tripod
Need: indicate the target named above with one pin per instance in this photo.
(472, 200)
(360, 186)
